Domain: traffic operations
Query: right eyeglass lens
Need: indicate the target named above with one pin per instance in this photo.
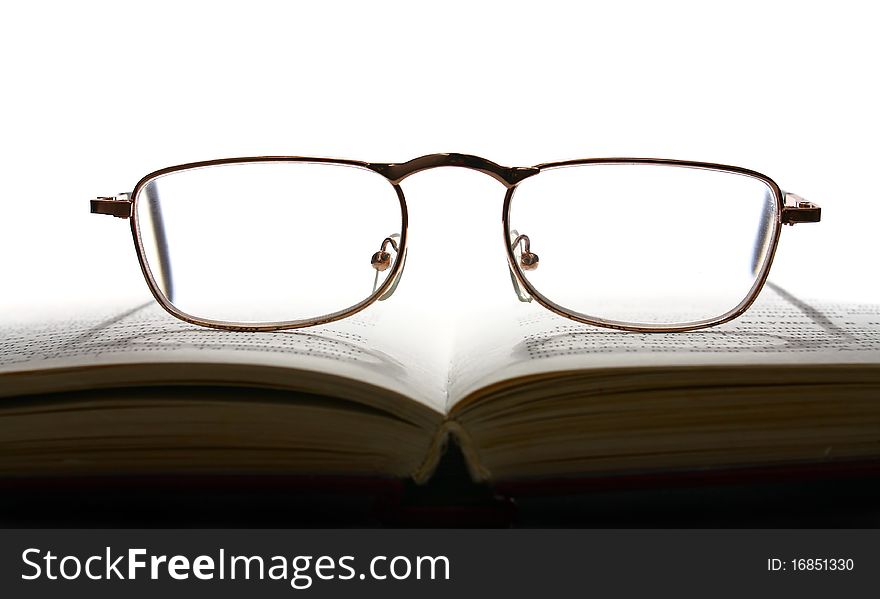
(261, 243)
(643, 244)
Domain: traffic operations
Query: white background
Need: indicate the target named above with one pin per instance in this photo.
(97, 94)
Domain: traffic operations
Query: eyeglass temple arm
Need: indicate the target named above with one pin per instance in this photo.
(118, 205)
(798, 210)
(121, 205)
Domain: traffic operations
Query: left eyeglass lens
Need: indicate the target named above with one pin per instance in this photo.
(267, 242)
(652, 246)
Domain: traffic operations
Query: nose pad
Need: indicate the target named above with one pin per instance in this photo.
(382, 261)
(396, 280)
(526, 259)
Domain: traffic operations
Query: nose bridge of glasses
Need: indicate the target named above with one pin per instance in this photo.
(507, 176)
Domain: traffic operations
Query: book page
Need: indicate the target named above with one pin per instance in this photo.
(373, 346)
(778, 329)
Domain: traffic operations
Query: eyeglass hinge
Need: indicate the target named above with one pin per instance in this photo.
(118, 205)
(798, 210)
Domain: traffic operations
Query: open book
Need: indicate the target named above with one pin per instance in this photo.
(527, 396)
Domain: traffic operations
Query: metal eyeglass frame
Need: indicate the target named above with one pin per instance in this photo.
(790, 209)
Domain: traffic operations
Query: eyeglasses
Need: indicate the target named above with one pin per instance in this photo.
(639, 244)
